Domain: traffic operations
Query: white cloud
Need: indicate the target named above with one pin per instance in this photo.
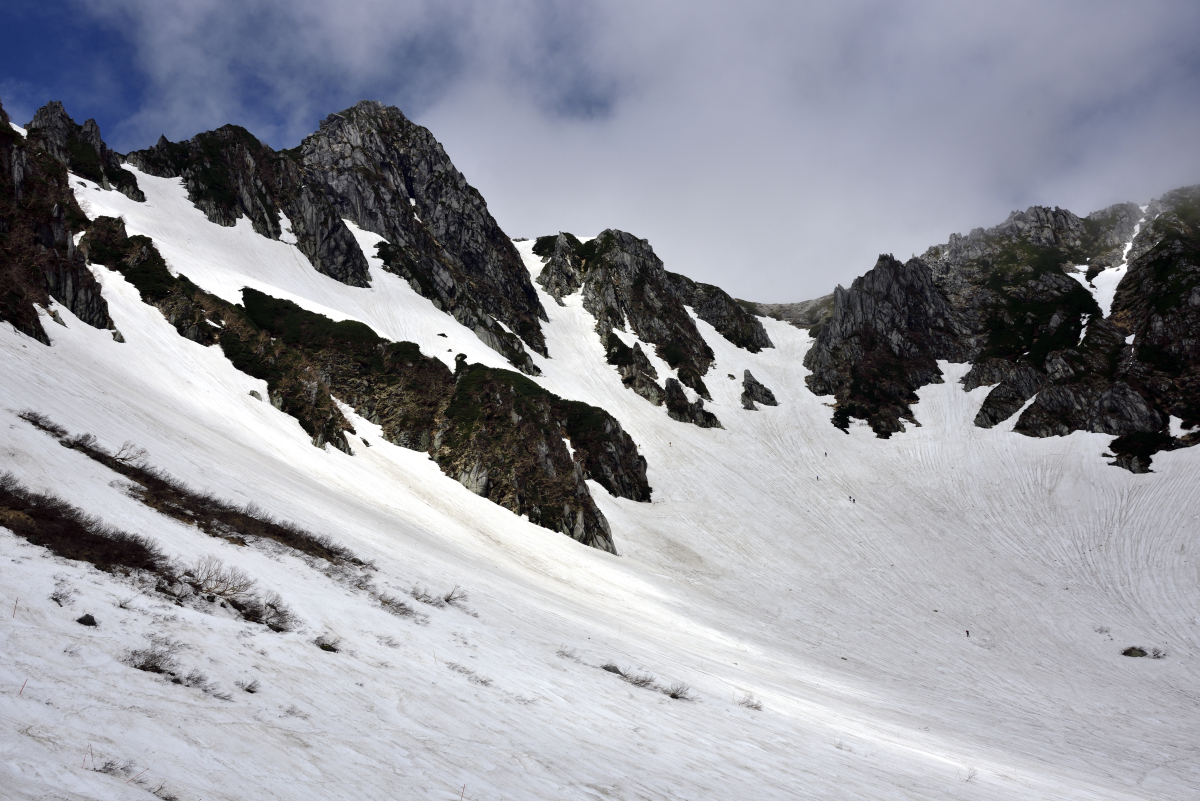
(774, 148)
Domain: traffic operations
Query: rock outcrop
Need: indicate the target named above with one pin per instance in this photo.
(390, 176)
(883, 342)
(370, 165)
(38, 221)
(753, 390)
(623, 283)
(679, 408)
(229, 174)
(805, 314)
(1016, 300)
(80, 149)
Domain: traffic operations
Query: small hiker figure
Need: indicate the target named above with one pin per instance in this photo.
(968, 633)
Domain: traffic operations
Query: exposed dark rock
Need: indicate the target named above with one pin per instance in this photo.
(1158, 302)
(498, 433)
(753, 391)
(623, 283)
(503, 437)
(81, 150)
(86, 620)
(716, 307)
(563, 273)
(390, 176)
(636, 371)
(38, 221)
(679, 408)
(1109, 230)
(1018, 386)
(883, 342)
(1099, 406)
(229, 174)
(1032, 329)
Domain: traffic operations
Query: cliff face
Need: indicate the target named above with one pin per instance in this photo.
(390, 176)
(39, 218)
(370, 165)
(883, 342)
(623, 283)
(1019, 301)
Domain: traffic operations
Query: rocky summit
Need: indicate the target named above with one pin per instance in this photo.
(1077, 324)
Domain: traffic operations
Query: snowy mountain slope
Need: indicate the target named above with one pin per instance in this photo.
(747, 574)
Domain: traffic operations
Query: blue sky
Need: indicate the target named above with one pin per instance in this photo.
(774, 148)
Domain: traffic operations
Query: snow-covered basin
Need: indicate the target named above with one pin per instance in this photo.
(752, 571)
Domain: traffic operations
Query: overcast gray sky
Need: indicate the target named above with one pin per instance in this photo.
(773, 148)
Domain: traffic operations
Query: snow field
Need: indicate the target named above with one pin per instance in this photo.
(746, 574)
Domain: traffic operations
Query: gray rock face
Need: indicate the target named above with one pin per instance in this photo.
(1114, 408)
(1013, 308)
(679, 409)
(624, 283)
(1158, 302)
(391, 177)
(38, 220)
(562, 274)
(636, 371)
(81, 150)
(229, 174)
(883, 342)
(753, 391)
(715, 307)
(1017, 386)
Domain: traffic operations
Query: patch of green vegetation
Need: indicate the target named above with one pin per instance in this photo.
(134, 257)
(672, 354)
(85, 161)
(543, 246)
(619, 353)
(148, 272)
(1160, 358)
(399, 262)
(1019, 327)
(298, 326)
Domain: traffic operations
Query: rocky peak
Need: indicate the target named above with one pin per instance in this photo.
(229, 174)
(81, 149)
(805, 314)
(38, 221)
(883, 342)
(390, 176)
(1014, 303)
(624, 283)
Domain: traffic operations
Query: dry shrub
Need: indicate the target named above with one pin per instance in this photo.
(52, 523)
(211, 576)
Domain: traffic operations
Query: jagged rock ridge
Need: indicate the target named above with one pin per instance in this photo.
(371, 165)
(805, 314)
(497, 432)
(39, 218)
(1016, 301)
(624, 283)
